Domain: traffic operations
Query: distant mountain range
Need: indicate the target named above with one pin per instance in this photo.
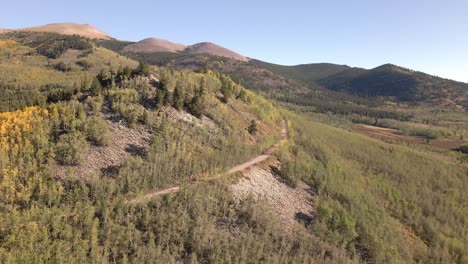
(153, 45)
(150, 45)
(388, 80)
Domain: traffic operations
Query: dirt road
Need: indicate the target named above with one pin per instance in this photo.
(249, 163)
(151, 195)
(268, 153)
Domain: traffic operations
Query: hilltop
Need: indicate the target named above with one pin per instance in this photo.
(151, 45)
(213, 49)
(305, 72)
(84, 30)
(155, 46)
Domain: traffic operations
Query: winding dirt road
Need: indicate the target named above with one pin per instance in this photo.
(241, 167)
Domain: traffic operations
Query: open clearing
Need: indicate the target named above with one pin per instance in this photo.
(123, 142)
(389, 134)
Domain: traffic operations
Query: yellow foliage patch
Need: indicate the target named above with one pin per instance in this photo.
(14, 124)
(18, 132)
(7, 42)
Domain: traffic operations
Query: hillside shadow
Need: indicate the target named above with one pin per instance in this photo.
(303, 218)
(110, 171)
(133, 149)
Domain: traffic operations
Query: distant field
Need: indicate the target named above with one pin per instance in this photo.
(389, 134)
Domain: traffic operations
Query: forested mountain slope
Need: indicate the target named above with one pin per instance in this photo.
(36, 68)
(307, 73)
(387, 82)
(84, 131)
(199, 125)
(403, 84)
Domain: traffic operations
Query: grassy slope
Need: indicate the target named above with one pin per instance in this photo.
(400, 204)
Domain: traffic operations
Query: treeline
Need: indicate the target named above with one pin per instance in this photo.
(339, 108)
(51, 45)
(18, 96)
(14, 97)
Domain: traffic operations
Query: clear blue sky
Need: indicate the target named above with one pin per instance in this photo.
(430, 35)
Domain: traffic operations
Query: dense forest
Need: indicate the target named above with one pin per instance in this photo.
(85, 131)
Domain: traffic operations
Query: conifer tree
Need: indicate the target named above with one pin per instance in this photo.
(196, 104)
(159, 99)
(252, 129)
(96, 87)
(226, 89)
(143, 69)
(178, 98)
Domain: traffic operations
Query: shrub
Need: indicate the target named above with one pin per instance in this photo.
(57, 93)
(337, 221)
(97, 131)
(252, 129)
(287, 173)
(62, 67)
(426, 133)
(143, 69)
(132, 113)
(95, 103)
(96, 87)
(71, 148)
(463, 149)
(243, 96)
(84, 64)
(124, 96)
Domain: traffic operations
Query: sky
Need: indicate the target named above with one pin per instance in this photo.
(429, 36)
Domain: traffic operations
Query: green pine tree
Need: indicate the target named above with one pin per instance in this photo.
(96, 87)
(252, 129)
(178, 98)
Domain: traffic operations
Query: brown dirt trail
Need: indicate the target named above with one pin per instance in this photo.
(238, 168)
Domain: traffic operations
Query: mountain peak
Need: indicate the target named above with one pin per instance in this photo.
(68, 28)
(213, 49)
(392, 68)
(150, 45)
(154, 45)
